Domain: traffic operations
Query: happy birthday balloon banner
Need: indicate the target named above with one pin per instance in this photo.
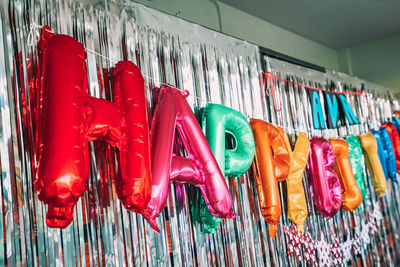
(76, 127)
(62, 172)
(336, 106)
(331, 254)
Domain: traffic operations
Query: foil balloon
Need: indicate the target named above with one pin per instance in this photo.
(271, 165)
(200, 168)
(133, 139)
(326, 189)
(370, 150)
(386, 153)
(356, 161)
(220, 122)
(394, 135)
(389, 154)
(296, 199)
(62, 147)
(396, 122)
(351, 194)
(381, 152)
(68, 118)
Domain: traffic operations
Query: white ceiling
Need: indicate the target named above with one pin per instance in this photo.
(334, 23)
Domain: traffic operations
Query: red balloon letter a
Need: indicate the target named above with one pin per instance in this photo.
(199, 167)
(68, 118)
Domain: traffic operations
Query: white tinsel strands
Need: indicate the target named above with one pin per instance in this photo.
(333, 253)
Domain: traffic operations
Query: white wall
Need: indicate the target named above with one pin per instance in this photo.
(377, 61)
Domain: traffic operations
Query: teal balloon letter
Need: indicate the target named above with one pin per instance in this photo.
(331, 100)
(233, 154)
(318, 115)
(356, 161)
(348, 111)
(219, 121)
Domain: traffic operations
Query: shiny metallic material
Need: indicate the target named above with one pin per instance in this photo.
(213, 68)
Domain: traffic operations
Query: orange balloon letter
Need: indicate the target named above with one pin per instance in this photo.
(271, 165)
(351, 194)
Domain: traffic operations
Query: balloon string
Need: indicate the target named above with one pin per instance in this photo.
(270, 84)
(271, 77)
(34, 32)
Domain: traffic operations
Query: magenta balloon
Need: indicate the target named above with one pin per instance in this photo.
(326, 190)
(199, 167)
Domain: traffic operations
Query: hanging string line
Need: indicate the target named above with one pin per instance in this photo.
(269, 76)
(270, 84)
(35, 33)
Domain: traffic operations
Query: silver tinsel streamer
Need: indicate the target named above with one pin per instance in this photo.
(213, 68)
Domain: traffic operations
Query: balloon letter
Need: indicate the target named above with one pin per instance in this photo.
(370, 150)
(218, 121)
(381, 152)
(134, 188)
(326, 189)
(332, 112)
(357, 164)
(63, 158)
(386, 153)
(318, 115)
(351, 194)
(396, 121)
(348, 111)
(69, 118)
(173, 114)
(271, 165)
(394, 135)
(296, 198)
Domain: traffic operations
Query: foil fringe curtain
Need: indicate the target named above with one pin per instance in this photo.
(222, 70)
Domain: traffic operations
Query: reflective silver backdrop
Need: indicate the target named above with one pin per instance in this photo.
(214, 68)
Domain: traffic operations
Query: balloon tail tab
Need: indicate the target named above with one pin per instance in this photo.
(231, 215)
(59, 217)
(151, 221)
(272, 230)
(300, 229)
